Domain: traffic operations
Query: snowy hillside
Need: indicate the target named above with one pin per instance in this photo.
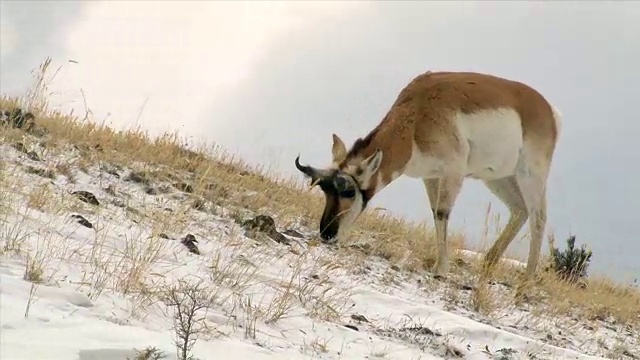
(109, 240)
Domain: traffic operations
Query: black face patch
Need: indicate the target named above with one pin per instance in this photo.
(335, 187)
(329, 223)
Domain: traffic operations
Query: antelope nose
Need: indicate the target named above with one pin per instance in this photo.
(329, 233)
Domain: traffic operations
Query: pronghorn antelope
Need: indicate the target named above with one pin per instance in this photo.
(442, 128)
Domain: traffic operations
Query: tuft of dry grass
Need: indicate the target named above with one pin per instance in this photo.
(215, 177)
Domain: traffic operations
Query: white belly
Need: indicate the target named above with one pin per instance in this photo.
(492, 142)
(495, 140)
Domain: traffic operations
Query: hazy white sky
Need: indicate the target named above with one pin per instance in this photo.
(271, 80)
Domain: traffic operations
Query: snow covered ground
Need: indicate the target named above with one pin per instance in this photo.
(101, 292)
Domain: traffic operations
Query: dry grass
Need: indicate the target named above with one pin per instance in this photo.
(216, 177)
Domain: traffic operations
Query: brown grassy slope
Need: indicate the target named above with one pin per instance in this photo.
(220, 177)
(285, 198)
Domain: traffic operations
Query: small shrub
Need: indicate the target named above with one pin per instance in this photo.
(150, 353)
(571, 264)
(188, 301)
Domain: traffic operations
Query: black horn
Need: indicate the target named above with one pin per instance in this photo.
(313, 173)
(307, 170)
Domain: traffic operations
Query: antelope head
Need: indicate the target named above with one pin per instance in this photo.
(345, 186)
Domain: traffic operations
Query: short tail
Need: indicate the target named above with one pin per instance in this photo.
(557, 117)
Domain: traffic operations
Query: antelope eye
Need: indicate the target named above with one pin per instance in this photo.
(347, 193)
(341, 184)
(343, 187)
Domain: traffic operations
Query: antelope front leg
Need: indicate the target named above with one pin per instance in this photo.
(442, 195)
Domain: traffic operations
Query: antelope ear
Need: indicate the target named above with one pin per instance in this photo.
(339, 150)
(370, 165)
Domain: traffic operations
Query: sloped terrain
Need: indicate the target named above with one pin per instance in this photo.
(113, 242)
